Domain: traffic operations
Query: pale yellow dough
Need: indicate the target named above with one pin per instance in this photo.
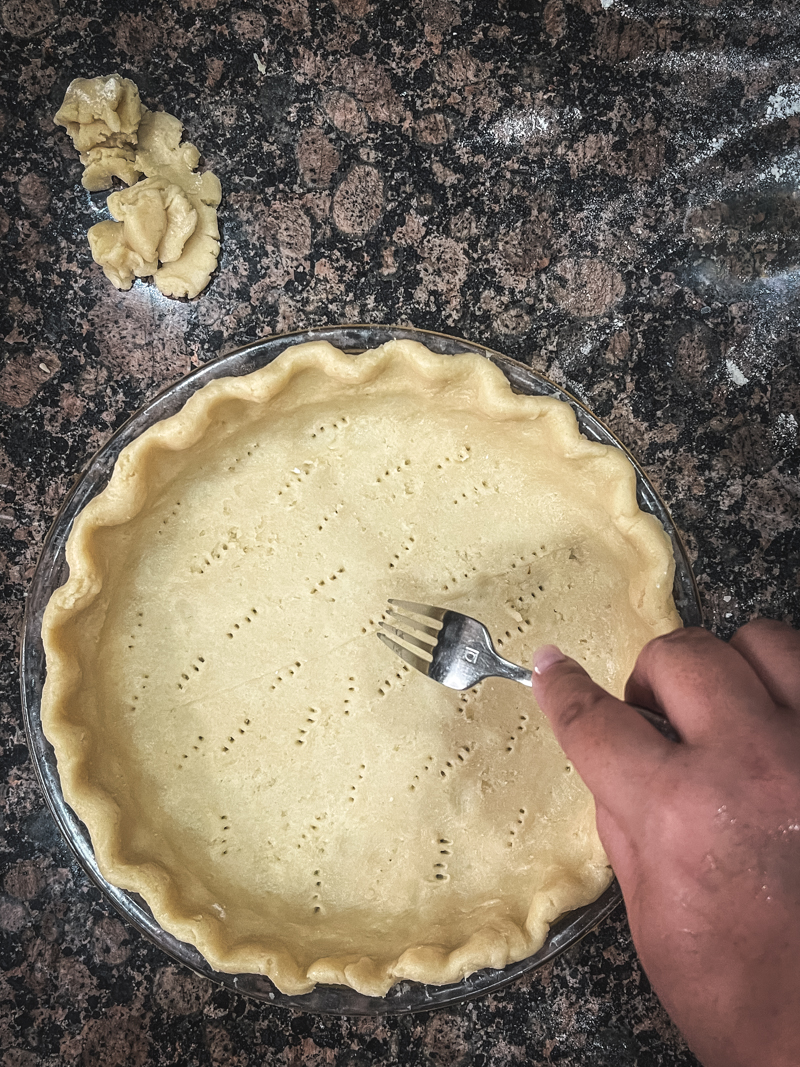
(155, 219)
(284, 792)
(102, 115)
(165, 225)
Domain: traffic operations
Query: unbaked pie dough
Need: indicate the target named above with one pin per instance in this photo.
(284, 792)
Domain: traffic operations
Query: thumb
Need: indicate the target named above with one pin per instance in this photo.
(612, 746)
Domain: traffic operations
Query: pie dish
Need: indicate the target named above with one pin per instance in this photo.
(396, 441)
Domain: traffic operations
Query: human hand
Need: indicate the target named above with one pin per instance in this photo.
(703, 835)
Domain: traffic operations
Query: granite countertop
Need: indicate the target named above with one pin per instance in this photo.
(605, 190)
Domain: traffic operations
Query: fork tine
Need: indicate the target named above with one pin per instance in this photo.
(403, 620)
(426, 646)
(420, 609)
(417, 662)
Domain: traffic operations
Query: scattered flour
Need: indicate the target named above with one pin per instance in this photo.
(782, 104)
(735, 373)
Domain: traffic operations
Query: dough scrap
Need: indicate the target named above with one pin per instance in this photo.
(161, 154)
(170, 217)
(155, 219)
(284, 792)
(102, 115)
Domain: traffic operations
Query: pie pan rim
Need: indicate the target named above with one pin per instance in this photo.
(50, 571)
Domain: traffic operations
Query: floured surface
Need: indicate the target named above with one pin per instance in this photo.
(283, 791)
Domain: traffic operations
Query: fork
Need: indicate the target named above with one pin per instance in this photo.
(457, 652)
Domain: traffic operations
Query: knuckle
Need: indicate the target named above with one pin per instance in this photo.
(766, 637)
(678, 642)
(578, 705)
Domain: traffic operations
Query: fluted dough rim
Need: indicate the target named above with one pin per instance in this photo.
(497, 943)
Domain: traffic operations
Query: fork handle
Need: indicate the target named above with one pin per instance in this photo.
(661, 722)
(506, 669)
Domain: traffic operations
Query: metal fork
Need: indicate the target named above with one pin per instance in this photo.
(458, 652)
(460, 648)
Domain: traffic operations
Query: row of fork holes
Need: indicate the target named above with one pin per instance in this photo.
(240, 730)
(456, 578)
(520, 730)
(237, 626)
(198, 664)
(388, 683)
(317, 895)
(340, 422)
(172, 514)
(354, 788)
(331, 578)
(525, 624)
(517, 826)
(461, 757)
(388, 472)
(440, 867)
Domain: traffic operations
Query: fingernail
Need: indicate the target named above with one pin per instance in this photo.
(545, 657)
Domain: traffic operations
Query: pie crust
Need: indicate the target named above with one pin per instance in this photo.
(286, 794)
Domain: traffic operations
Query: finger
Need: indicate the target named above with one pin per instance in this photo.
(773, 651)
(611, 745)
(702, 684)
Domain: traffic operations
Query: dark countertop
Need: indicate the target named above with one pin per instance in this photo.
(607, 191)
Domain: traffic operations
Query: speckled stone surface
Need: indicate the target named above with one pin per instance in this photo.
(607, 191)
